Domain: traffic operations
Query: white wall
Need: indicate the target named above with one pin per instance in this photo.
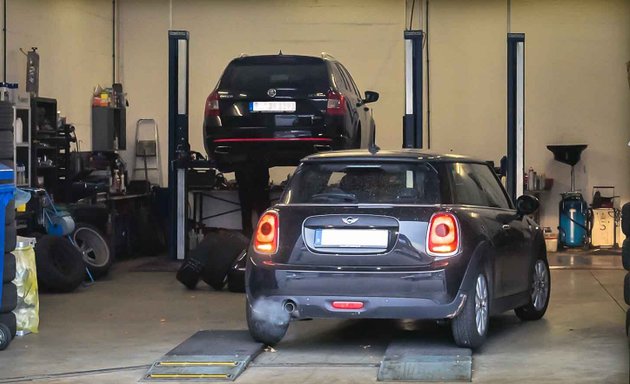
(576, 81)
(74, 42)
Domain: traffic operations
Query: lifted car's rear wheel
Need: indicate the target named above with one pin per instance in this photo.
(539, 294)
(470, 327)
(267, 322)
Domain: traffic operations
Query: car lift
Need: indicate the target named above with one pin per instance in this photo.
(223, 355)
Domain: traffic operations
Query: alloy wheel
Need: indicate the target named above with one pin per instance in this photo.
(540, 285)
(481, 304)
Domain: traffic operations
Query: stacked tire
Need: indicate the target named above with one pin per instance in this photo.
(213, 259)
(625, 257)
(8, 298)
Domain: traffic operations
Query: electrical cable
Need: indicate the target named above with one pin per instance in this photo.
(4, 45)
(426, 18)
(413, 4)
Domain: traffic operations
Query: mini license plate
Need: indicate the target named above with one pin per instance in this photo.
(272, 106)
(352, 238)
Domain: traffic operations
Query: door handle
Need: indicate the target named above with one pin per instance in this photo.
(506, 226)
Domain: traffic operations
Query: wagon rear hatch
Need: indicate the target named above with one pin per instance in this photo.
(277, 92)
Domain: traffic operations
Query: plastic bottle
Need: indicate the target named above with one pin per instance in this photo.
(19, 130)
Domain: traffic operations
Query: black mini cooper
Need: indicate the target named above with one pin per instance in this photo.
(396, 235)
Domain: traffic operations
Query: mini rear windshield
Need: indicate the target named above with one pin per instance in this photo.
(365, 183)
(308, 77)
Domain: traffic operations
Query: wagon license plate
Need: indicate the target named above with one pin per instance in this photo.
(352, 238)
(272, 106)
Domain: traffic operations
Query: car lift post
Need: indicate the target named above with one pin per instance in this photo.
(178, 145)
(412, 120)
(515, 114)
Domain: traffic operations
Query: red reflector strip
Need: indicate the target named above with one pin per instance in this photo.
(267, 139)
(347, 304)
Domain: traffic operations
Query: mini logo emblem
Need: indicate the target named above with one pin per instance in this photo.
(272, 92)
(350, 220)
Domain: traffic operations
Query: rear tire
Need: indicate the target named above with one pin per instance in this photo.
(625, 254)
(9, 268)
(8, 301)
(625, 219)
(9, 320)
(539, 291)
(470, 327)
(60, 266)
(267, 324)
(5, 337)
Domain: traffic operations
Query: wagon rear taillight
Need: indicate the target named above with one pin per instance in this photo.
(443, 236)
(266, 236)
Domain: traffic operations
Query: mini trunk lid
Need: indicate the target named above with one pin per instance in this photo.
(359, 237)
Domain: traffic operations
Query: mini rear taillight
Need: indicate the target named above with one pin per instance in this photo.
(212, 104)
(443, 235)
(347, 304)
(266, 236)
(336, 103)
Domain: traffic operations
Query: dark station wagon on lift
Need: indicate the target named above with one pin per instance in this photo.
(396, 235)
(276, 109)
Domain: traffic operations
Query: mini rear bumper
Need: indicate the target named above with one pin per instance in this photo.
(373, 307)
(385, 295)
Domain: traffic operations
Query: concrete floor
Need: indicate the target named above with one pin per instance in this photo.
(112, 331)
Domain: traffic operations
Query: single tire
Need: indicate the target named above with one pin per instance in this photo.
(60, 266)
(625, 254)
(625, 219)
(8, 301)
(540, 290)
(626, 288)
(189, 273)
(222, 248)
(10, 237)
(94, 248)
(6, 145)
(236, 274)
(470, 327)
(265, 328)
(10, 321)
(5, 337)
(8, 274)
(9, 212)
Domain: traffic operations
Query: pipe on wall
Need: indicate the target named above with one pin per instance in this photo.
(426, 18)
(113, 41)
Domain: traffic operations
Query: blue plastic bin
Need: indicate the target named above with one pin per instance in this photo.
(7, 189)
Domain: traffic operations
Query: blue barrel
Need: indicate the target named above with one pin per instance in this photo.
(6, 194)
(573, 216)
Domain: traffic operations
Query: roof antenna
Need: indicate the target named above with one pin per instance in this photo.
(373, 148)
(280, 53)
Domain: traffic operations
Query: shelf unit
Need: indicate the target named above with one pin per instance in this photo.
(44, 150)
(22, 148)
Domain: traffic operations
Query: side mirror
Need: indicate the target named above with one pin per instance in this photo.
(527, 204)
(370, 97)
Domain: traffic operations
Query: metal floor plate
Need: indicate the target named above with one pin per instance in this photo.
(206, 356)
(418, 360)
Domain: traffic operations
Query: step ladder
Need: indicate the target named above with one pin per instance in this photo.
(147, 152)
